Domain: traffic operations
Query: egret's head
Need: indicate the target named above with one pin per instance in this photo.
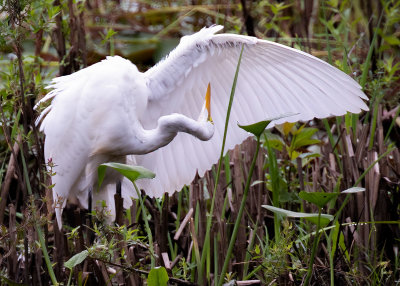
(207, 125)
(205, 113)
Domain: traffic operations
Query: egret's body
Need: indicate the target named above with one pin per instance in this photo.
(112, 112)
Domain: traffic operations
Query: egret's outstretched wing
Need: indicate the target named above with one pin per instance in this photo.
(273, 80)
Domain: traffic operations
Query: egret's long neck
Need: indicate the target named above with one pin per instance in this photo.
(168, 127)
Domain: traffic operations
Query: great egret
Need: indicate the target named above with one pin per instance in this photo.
(112, 112)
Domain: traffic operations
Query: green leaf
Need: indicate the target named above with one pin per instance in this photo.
(335, 235)
(76, 259)
(293, 154)
(284, 195)
(275, 141)
(392, 40)
(158, 277)
(318, 198)
(258, 128)
(101, 172)
(333, 3)
(324, 221)
(303, 138)
(343, 246)
(287, 127)
(15, 126)
(106, 37)
(274, 9)
(130, 172)
(312, 217)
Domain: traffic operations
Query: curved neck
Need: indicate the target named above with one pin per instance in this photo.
(167, 128)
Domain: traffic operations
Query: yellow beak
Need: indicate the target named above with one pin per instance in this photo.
(208, 102)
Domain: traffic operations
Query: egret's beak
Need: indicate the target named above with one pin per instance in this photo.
(208, 102)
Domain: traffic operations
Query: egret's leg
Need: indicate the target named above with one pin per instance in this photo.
(89, 219)
(119, 202)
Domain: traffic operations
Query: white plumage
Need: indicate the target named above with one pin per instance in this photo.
(100, 113)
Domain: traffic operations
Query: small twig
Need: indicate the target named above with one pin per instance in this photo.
(248, 282)
(166, 260)
(173, 263)
(183, 224)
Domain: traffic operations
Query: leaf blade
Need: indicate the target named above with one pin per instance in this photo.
(158, 277)
(76, 259)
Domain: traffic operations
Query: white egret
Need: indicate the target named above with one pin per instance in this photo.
(112, 112)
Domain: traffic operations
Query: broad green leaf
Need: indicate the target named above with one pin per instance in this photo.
(275, 141)
(312, 217)
(303, 138)
(293, 154)
(318, 198)
(305, 142)
(131, 172)
(158, 277)
(353, 190)
(258, 128)
(76, 259)
(392, 40)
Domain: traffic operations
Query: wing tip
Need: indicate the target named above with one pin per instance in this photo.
(213, 29)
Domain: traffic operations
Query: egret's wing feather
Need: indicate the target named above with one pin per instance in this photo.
(64, 145)
(273, 80)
